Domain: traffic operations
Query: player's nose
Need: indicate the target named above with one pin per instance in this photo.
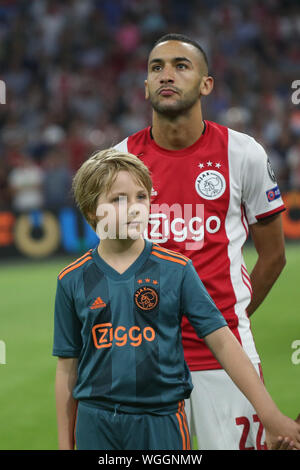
(167, 75)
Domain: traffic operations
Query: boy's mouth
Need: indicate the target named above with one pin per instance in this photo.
(134, 222)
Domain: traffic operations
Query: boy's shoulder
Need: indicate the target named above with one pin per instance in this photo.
(75, 268)
(169, 256)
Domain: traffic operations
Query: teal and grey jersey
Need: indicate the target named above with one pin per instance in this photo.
(125, 329)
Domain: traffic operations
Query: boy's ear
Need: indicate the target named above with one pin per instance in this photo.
(92, 218)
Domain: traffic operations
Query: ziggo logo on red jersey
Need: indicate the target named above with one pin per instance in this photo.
(104, 335)
(187, 225)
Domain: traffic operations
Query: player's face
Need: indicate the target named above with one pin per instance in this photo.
(123, 212)
(175, 74)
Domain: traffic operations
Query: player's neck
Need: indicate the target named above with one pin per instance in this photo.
(179, 133)
(120, 254)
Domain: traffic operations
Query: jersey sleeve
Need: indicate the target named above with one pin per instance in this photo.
(260, 192)
(67, 327)
(198, 306)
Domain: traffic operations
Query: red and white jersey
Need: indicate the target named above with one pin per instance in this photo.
(203, 199)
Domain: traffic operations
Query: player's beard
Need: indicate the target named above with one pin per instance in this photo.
(176, 108)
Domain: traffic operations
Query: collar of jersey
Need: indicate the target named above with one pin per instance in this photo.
(111, 272)
(187, 151)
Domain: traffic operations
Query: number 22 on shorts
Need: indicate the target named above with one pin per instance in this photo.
(244, 421)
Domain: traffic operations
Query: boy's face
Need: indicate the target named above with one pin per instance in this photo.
(123, 212)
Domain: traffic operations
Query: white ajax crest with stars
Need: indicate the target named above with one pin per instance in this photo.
(210, 184)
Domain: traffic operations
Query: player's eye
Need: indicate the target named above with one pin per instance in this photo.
(156, 68)
(181, 66)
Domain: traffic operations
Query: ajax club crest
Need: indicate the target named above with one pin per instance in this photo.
(210, 184)
(146, 298)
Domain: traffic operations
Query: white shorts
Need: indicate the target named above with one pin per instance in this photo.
(220, 416)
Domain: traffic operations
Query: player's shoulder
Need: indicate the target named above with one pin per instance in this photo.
(169, 257)
(75, 268)
(133, 142)
(236, 139)
(249, 146)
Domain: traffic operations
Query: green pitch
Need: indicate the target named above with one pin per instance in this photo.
(27, 404)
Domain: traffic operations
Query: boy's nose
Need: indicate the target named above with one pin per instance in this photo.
(133, 210)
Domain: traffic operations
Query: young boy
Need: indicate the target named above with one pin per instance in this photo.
(117, 330)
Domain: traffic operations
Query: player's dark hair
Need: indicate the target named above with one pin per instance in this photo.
(182, 38)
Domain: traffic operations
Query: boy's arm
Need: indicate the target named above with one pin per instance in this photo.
(66, 405)
(234, 360)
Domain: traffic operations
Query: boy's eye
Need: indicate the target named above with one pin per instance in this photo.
(142, 196)
(119, 199)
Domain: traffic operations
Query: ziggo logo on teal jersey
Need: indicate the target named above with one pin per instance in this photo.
(104, 335)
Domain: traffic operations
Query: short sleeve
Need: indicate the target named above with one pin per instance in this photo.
(260, 192)
(67, 327)
(198, 306)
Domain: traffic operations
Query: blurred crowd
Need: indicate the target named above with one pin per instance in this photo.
(74, 72)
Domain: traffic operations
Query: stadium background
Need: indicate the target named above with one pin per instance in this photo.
(74, 73)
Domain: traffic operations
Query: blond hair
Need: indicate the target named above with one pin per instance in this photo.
(97, 175)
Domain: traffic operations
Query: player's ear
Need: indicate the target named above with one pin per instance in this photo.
(206, 85)
(146, 90)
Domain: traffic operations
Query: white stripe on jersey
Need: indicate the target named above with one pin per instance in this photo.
(122, 146)
(235, 226)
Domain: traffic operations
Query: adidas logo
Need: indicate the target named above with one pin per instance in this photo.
(153, 192)
(98, 304)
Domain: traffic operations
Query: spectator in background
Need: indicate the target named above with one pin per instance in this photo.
(76, 144)
(80, 66)
(57, 179)
(5, 202)
(25, 183)
(293, 162)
